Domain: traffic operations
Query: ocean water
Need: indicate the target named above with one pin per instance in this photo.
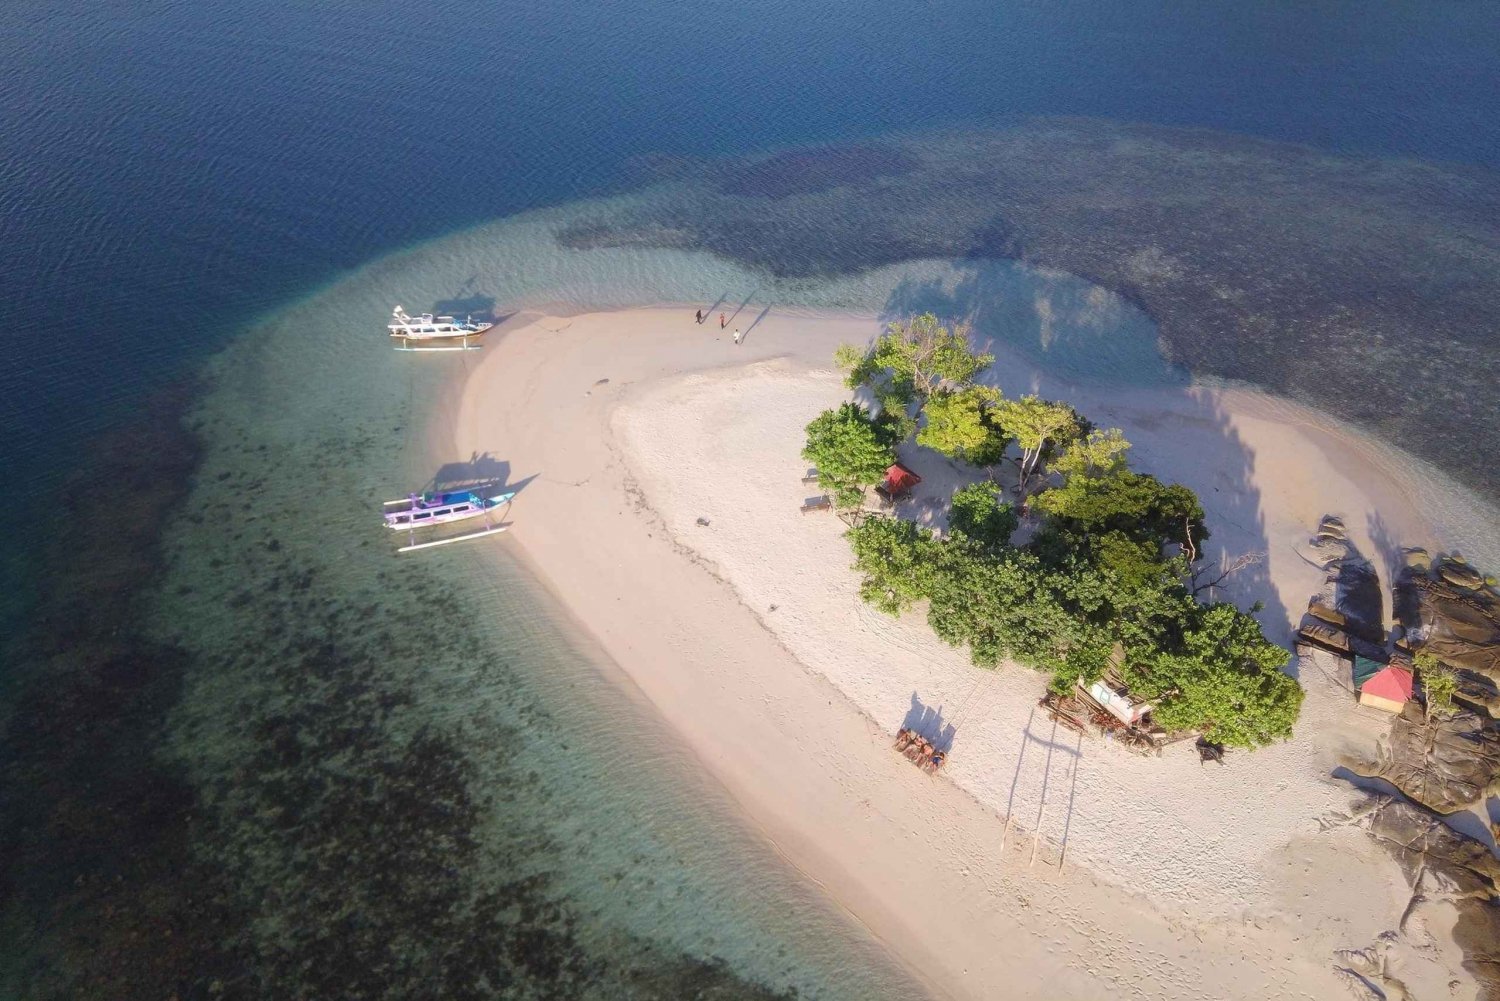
(250, 755)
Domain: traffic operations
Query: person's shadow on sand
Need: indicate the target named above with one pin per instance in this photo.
(928, 722)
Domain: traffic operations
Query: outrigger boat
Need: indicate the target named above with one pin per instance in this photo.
(430, 509)
(435, 333)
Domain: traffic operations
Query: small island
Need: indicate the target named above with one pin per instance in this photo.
(985, 541)
(1109, 577)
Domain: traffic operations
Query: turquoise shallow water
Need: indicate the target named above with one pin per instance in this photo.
(328, 681)
(332, 688)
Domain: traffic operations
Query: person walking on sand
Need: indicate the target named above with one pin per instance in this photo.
(736, 335)
(721, 321)
(698, 317)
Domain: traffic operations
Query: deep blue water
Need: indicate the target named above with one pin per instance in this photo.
(172, 170)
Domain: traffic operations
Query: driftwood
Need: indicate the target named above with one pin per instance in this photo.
(1209, 751)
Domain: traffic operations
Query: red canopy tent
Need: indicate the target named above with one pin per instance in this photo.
(899, 480)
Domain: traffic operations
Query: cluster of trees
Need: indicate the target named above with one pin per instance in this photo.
(1107, 576)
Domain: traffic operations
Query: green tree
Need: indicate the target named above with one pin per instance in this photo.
(895, 559)
(851, 452)
(977, 513)
(1100, 453)
(960, 424)
(912, 360)
(1224, 679)
(1135, 504)
(1439, 683)
(1037, 425)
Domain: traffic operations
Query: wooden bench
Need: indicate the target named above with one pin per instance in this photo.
(817, 504)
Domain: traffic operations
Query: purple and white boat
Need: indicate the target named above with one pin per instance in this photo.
(429, 333)
(428, 510)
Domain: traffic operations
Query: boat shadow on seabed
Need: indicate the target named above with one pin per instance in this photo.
(480, 472)
(461, 494)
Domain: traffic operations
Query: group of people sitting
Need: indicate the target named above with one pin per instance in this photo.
(919, 750)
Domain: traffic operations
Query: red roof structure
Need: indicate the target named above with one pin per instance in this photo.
(899, 479)
(1392, 683)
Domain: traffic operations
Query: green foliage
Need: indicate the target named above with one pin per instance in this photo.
(896, 560)
(1134, 504)
(856, 363)
(1223, 678)
(1037, 426)
(979, 515)
(1100, 453)
(1439, 683)
(1095, 582)
(911, 361)
(961, 425)
(929, 355)
(850, 450)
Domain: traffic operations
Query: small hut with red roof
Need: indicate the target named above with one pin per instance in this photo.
(898, 483)
(1388, 688)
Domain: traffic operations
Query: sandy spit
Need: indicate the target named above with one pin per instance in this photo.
(1117, 876)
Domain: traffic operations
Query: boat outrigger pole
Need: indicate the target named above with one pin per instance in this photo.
(444, 508)
(457, 538)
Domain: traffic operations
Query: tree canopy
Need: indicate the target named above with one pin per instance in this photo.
(913, 359)
(1037, 426)
(895, 558)
(850, 450)
(1224, 678)
(961, 425)
(977, 513)
(1136, 505)
(1105, 579)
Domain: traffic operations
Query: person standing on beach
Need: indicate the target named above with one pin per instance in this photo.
(736, 335)
(721, 321)
(699, 317)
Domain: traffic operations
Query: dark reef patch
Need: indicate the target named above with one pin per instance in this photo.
(1370, 288)
(809, 171)
(273, 806)
(95, 828)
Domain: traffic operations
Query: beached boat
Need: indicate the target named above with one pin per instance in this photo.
(429, 510)
(435, 333)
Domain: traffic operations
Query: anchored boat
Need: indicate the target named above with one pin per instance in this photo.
(435, 333)
(428, 510)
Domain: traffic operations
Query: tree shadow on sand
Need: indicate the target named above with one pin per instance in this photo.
(1053, 336)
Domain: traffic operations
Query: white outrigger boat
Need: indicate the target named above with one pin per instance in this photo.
(427, 510)
(435, 333)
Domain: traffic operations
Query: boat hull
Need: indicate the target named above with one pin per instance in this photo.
(442, 509)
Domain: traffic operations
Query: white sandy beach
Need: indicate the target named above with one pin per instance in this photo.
(1119, 875)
